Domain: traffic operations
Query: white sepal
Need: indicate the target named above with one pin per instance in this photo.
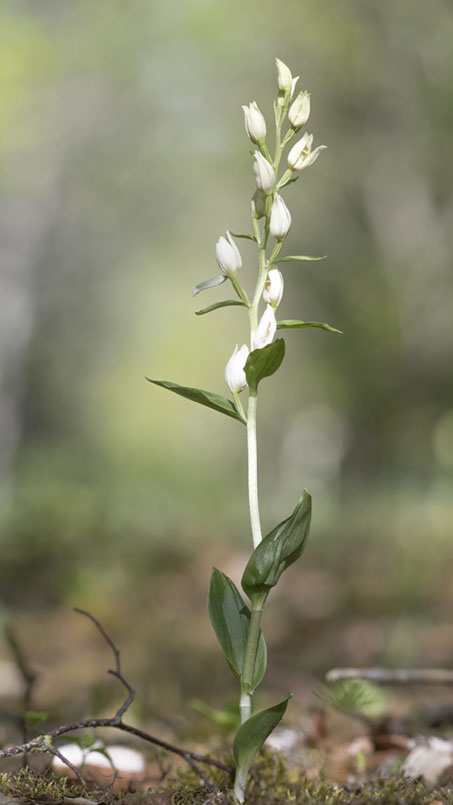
(267, 327)
(280, 218)
(299, 111)
(284, 77)
(264, 173)
(234, 370)
(273, 288)
(228, 256)
(255, 124)
(301, 156)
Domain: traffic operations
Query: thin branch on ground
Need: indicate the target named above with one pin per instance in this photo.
(44, 743)
(54, 751)
(386, 676)
(117, 671)
(200, 773)
(29, 676)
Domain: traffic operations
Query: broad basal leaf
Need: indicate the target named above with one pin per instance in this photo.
(296, 324)
(216, 305)
(230, 618)
(203, 286)
(263, 363)
(253, 732)
(207, 398)
(277, 551)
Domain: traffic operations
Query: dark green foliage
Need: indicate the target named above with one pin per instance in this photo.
(263, 363)
(207, 398)
(277, 551)
(251, 735)
(230, 618)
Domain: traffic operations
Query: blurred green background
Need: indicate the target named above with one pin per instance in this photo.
(123, 159)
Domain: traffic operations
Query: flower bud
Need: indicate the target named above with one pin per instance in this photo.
(258, 204)
(264, 173)
(234, 370)
(299, 111)
(280, 218)
(301, 156)
(266, 329)
(228, 256)
(255, 124)
(284, 77)
(273, 288)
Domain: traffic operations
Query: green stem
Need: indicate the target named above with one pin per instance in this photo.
(253, 471)
(251, 649)
(240, 782)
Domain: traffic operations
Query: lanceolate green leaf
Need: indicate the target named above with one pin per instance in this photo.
(263, 363)
(252, 734)
(295, 324)
(230, 618)
(203, 286)
(277, 551)
(207, 398)
(298, 257)
(216, 305)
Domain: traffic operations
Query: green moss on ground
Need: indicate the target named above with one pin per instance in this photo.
(271, 783)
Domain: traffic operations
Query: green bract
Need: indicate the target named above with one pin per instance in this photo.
(277, 551)
(263, 363)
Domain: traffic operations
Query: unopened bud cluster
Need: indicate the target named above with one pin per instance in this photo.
(268, 204)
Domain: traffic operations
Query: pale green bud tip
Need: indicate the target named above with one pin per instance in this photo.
(264, 173)
(280, 218)
(234, 370)
(266, 329)
(301, 156)
(299, 111)
(273, 288)
(228, 256)
(284, 77)
(255, 124)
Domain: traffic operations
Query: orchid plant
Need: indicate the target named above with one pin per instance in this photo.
(236, 624)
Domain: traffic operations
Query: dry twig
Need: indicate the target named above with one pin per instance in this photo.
(44, 743)
(385, 676)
